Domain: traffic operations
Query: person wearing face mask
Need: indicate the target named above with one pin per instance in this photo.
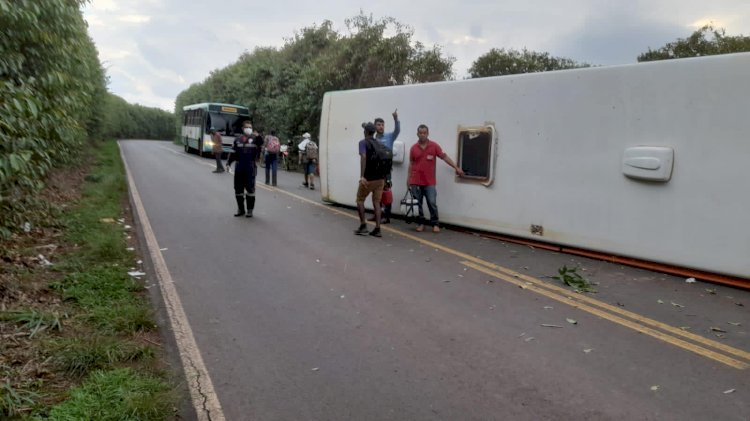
(246, 151)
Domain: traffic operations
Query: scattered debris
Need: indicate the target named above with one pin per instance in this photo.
(446, 280)
(571, 277)
(619, 304)
(136, 273)
(27, 227)
(106, 220)
(718, 329)
(711, 291)
(529, 339)
(548, 307)
(654, 388)
(127, 227)
(660, 301)
(739, 304)
(572, 321)
(139, 262)
(429, 259)
(342, 297)
(677, 305)
(43, 261)
(735, 323)
(588, 350)
(685, 327)
(315, 369)
(130, 249)
(690, 280)
(548, 325)
(317, 260)
(163, 249)
(726, 392)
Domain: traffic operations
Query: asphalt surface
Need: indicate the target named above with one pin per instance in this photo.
(298, 319)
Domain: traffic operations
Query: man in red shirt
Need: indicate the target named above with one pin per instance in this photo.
(422, 180)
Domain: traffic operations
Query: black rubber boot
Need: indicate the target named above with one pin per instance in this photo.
(273, 179)
(250, 206)
(240, 206)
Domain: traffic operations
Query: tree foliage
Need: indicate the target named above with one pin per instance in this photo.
(132, 121)
(284, 87)
(51, 90)
(706, 41)
(508, 62)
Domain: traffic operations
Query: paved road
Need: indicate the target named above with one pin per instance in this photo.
(297, 318)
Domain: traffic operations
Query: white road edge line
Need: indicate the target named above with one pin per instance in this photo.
(202, 393)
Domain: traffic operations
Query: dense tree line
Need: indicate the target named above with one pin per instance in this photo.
(498, 62)
(706, 41)
(132, 121)
(284, 87)
(52, 86)
(53, 101)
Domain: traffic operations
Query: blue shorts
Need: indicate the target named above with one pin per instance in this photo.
(310, 167)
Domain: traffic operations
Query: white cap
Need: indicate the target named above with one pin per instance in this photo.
(306, 135)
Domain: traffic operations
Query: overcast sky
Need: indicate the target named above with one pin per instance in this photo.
(154, 49)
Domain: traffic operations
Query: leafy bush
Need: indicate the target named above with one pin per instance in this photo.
(51, 98)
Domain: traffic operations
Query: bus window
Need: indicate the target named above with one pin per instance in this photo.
(229, 123)
(475, 153)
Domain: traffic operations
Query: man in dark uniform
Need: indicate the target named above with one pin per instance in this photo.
(246, 151)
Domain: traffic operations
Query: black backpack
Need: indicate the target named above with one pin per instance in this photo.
(381, 158)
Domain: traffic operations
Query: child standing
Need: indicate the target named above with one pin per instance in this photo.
(386, 201)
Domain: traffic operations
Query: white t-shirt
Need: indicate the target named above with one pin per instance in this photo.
(302, 145)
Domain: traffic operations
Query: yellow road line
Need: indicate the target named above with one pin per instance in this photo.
(574, 300)
(614, 309)
(619, 320)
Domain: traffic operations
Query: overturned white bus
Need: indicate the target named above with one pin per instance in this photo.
(649, 161)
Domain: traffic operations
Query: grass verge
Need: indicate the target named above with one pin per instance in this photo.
(77, 334)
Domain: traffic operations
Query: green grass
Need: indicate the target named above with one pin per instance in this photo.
(12, 401)
(120, 394)
(78, 357)
(33, 320)
(100, 352)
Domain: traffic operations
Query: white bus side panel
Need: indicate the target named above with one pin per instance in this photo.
(561, 140)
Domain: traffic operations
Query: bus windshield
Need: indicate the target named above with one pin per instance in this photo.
(229, 124)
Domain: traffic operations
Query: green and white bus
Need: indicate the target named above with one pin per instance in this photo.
(198, 119)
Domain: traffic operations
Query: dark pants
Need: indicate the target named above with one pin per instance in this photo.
(244, 181)
(429, 193)
(219, 165)
(272, 161)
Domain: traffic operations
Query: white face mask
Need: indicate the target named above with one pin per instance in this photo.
(247, 130)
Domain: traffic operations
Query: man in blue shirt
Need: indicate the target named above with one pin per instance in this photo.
(387, 138)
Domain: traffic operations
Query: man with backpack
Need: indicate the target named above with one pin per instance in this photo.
(273, 147)
(308, 163)
(374, 165)
(422, 179)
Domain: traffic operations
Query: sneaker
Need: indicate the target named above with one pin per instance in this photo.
(436, 229)
(420, 228)
(362, 230)
(304, 185)
(376, 233)
(239, 213)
